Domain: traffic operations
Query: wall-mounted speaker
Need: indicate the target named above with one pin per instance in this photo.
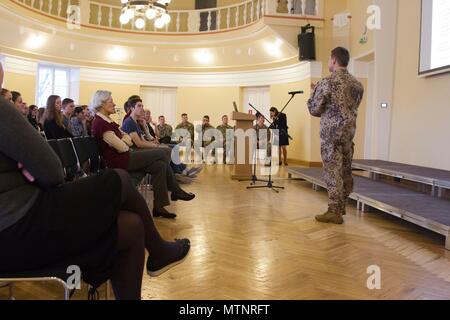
(307, 43)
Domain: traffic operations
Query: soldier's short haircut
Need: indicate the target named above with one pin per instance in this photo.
(184, 115)
(224, 116)
(206, 117)
(341, 55)
(160, 117)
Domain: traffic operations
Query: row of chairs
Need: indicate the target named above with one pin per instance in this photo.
(77, 155)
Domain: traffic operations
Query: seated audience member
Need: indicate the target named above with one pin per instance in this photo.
(115, 148)
(32, 116)
(89, 116)
(6, 94)
(101, 223)
(126, 106)
(151, 125)
(39, 117)
(78, 123)
(263, 137)
(205, 127)
(67, 109)
(185, 124)
(164, 130)
(223, 128)
(16, 99)
(52, 120)
(135, 126)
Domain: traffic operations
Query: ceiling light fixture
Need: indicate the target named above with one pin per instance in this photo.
(142, 10)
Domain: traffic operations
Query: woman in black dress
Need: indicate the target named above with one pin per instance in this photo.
(279, 121)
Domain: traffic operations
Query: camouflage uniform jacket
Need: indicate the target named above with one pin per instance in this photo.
(223, 130)
(165, 131)
(187, 126)
(335, 100)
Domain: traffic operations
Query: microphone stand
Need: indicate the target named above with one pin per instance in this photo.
(255, 179)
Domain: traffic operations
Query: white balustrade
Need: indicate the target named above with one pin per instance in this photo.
(99, 16)
(185, 21)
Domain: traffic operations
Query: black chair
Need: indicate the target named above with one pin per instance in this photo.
(68, 158)
(58, 275)
(82, 149)
(54, 145)
(94, 155)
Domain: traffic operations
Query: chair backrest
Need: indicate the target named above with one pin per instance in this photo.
(68, 158)
(54, 145)
(82, 149)
(94, 154)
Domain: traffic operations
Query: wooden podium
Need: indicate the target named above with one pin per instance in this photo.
(244, 121)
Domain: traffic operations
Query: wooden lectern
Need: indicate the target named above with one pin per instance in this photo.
(244, 121)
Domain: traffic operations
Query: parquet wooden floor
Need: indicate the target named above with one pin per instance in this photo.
(256, 244)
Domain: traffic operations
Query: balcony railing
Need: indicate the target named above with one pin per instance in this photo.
(106, 16)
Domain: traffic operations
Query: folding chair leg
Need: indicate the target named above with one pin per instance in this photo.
(108, 290)
(11, 291)
(66, 293)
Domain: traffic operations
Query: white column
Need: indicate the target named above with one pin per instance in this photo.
(385, 53)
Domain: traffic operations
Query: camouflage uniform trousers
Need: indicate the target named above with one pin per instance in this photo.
(337, 163)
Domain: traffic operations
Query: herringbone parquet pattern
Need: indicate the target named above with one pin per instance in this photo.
(257, 244)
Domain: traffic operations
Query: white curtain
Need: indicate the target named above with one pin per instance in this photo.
(161, 102)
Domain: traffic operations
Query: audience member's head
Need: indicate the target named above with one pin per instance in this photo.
(184, 118)
(205, 120)
(40, 114)
(162, 120)
(53, 111)
(126, 105)
(102, 102)
(32, 112)
(136, 109)
(339, 59)
(148, 116)
(24, 109)
(5, 93)
(225, 120)
(68, 106)
(273, 112)
(87, 113)
(16, 99)
(78, 112)
(260, 119)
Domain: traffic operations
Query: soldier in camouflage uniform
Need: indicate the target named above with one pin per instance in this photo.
(205, 127)
(335, 99)
(164, 130)
(263, 137)
(185, 124)
(223, 130)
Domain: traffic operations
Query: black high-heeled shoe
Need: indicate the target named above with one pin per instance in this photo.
(156, 269)
(163, 213)
(184, 196)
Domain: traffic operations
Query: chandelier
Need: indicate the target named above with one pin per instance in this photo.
(141, 9)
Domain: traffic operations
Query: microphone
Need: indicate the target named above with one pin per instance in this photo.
(296, 92)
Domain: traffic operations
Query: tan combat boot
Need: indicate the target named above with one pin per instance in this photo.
(333, 215)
